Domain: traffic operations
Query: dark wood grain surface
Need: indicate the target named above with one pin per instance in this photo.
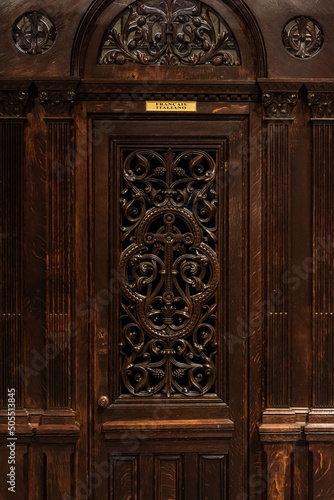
(167, 277)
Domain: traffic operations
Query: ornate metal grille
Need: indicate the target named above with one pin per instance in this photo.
(169, 32)
(169, 271)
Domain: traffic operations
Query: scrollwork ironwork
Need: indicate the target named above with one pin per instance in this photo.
(169, 271)
(169, 32)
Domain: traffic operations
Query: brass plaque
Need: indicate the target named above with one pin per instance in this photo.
(171, 106)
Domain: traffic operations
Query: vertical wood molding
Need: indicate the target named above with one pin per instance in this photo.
(60, 249)
(322, 109)
(320, 428)
(278, 105)
(280, 425)
(12, 104)
(323, 265)
(59, 260)
(277, 257)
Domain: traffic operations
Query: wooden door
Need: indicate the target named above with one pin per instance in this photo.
(169, 267)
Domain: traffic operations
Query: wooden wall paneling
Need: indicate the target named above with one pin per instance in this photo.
(213, 477)
(13, 100)
(124, 477)
(191, 491)
(321, 468)
(237, 309)
(277, 247)
(299, 272)
(12, 103)
(36, 472)
(58, 471)
(60, 262)
(79, 324)
(279, 470)
(11, 231)
(146, 481)
(34, 259)
(279, 422)
(21, 472)
(168, 471)
(255, 317)
(59, 244)
(320, 427)
(59, 428)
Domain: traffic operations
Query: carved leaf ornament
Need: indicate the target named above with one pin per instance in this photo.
(169, 32)
(169, 272)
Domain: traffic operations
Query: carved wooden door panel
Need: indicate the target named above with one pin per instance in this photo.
(168, 270)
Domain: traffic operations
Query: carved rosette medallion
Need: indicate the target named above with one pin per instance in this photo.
(169, 271)
(169, 32)
(302, 37)
(34, 33)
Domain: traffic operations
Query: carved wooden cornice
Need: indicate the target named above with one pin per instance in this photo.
(13, 98)
(141, 91)
(57, 98)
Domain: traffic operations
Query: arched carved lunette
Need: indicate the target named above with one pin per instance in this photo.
(169, 32)
(98, 6)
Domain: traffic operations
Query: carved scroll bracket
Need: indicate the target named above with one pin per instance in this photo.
(13, 99)
(57, 98)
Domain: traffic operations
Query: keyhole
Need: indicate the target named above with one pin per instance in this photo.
(101, 334)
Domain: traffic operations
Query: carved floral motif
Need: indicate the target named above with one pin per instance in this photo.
(12, 102)
(34, 33)
(169, 32)
(321, 104)
(302, 37)
(169, 272)
(57, 102)
(279, 104)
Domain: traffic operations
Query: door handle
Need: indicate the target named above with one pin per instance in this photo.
(103, 401)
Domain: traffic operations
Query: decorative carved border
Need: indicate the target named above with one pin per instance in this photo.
(141, 91)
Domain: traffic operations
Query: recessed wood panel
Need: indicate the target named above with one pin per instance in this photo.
(213, 477)
(11, 244)
(124, 477)
(168, 470)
